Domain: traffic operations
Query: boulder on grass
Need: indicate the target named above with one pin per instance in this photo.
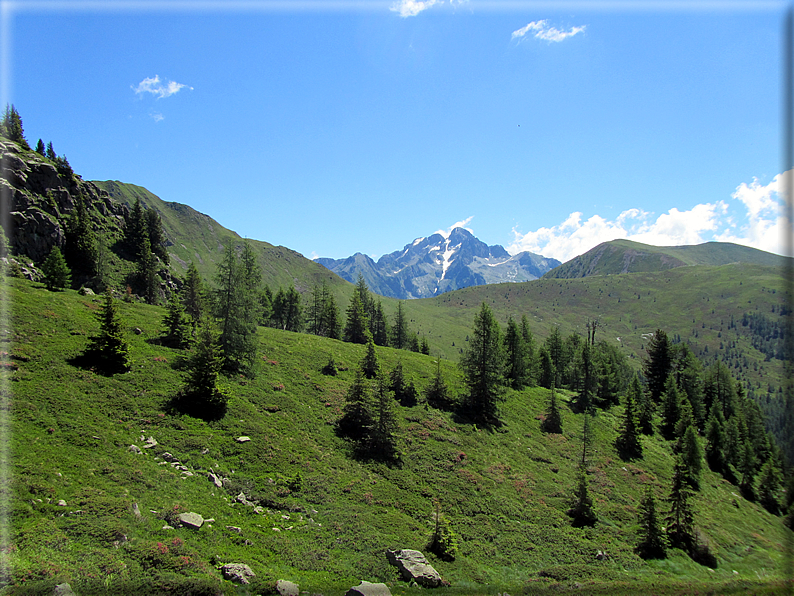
(191, 520)
(368, 589)
(413, 566)
(237, 572)
(287, 588)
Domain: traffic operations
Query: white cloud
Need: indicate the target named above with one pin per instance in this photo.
(157, 116)
(544, 31)
(411, 8)
(157, 87)
(458, 224)
(762, 226)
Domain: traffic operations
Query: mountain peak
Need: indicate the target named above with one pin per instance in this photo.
(440, 263)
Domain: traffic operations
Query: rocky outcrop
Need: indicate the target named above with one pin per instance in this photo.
(413, 566)
(38, 197)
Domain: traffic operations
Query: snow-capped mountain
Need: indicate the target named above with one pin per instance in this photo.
(437, 264)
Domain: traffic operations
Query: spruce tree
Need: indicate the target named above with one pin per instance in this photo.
(689, 373)
(193, 295)
(680, 520)
(81, 243)
(553, 421)
(715, 439)
(658, 364)
(554, 347)
(651, 544)
(645, 407)
(482, 364)
(437, 394)
(691, 453)
(201, 396)
(516, 373)
(628, 441)
(369, 364)
(381, 440)
(147, 274)
(154, 231)
(176, 323)
(40, 148)
(51, 155)
(379, 326)
(399, 330)
(582, 510)
(546, 369)
(12, 127)
(404, 393)
(357, 413)
(671, 408)
(357, 325)
(769, 483)
(57, 275)
(720, 388)
(424, 347)
(529, 351)
(109, 349)
(135, 230)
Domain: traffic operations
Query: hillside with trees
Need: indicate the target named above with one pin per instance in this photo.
(616, 433)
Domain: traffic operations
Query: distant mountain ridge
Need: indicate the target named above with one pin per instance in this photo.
(437, 264)
(626, 256)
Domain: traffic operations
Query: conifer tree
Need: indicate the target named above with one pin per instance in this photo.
(404, 393)
(529, 351)
(680, 520)
(109, 349)
(671, 408)
(628, 441)
(357, 413)
(382, 434)
(357, 325)
(651, 544)
(369, 364)
(437, 394)
(689, 374)
(40, 148)
(582, 510)
(691, 453)
(719, 388)
(658, 364)
(399, 329)
(553, 421)
(516, 369)
(81, 243)
(56, 272)
(554, 347)
(201, 395)
(147, 273)
(329, 317)
(482, 364)
(154, 231)
(747, 470)
(12, 127)
(769, 482)
(266, 306)
(443, 541)
(715, 439)
(193, 295)
(135, 230)
(51, 155)
(379, 326)
(176, 324)
(424, 348)
(645, 407)
(546, 369)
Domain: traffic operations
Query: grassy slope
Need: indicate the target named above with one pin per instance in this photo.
(505, 492)
(199, 238)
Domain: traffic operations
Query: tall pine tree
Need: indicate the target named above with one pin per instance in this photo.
(482, 364)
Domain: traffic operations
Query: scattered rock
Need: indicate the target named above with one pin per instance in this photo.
(167, 527)
(601, 555)
(237, 572)
(243, 439)
(61, 503)
(167, 456)
(241, 498)
(368, 589)
(136, 510)
(287, 588)
(209, 520)
(215, 480)
(235, 529)
(134, 449)
(63, 590)
(83, 291)
(150, 442)
(191, 520)
(413, 566)
(137, 331)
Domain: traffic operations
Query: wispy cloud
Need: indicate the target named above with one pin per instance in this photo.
(542, 30)
(411, 8)
(158, 88)
(157, 116)
(762, 225)
(457, 224)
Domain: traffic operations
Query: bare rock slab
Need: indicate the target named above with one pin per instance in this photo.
(413, 566)
(368, 589)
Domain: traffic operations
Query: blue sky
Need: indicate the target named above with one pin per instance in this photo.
(340, 127)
